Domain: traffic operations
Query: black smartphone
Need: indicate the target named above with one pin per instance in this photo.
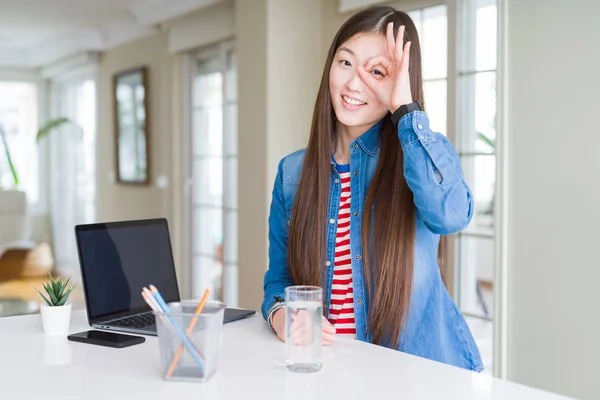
(109, 339)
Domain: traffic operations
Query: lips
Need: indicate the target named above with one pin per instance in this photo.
(351, 103)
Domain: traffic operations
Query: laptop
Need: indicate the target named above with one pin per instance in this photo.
(117, 259)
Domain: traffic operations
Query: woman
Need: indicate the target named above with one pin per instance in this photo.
(360, 211)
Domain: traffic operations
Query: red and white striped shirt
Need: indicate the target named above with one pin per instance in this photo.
(341, 313)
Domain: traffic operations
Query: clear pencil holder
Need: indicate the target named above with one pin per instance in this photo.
(189, 342)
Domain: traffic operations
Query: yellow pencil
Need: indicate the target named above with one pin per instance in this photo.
(189, 331)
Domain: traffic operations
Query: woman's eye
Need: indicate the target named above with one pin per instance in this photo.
(346, 63)
(378, 74)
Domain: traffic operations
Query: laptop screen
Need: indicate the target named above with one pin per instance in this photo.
(118, 259)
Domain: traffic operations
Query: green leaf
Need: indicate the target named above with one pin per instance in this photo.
(48, 288)
(51, 284)
(9, 158)
(65, 286)
(54, 286)
(61, 289)
(486, 140)
(52, 296)
(45, 299)
(65, 298)
(50, 126)
(60, 292)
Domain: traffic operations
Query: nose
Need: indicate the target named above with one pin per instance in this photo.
(355, 84)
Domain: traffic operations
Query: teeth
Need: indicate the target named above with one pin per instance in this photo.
(352, 101)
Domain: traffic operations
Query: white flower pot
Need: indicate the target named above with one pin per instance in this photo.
(56, 320)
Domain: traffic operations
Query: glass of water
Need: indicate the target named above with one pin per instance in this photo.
(303, 315)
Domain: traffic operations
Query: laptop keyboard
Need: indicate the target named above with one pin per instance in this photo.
(137, 321)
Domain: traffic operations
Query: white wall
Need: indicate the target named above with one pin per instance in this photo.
(208, 25)
(554, 175)
(295, 66)
(251, 18)
(120, 201)
(279, 62)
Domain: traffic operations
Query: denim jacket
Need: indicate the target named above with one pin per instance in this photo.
(444, 203)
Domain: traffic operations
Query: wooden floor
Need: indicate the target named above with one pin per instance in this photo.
(23, 270)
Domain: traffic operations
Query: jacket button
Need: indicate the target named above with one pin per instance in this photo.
(336, 180)
(356, 213)
(355, 173)
(358, 257)
(328, 263)
(355, 146)
(420, 126)
(359, 301)
(332, 221)
(288, 222)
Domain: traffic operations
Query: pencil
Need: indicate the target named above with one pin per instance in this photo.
(152, 300)
(190, 328)
(165, 308)
(149, 301)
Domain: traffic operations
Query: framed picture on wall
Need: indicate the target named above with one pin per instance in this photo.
(130, 96)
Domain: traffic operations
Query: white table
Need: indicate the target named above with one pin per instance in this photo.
(34, 366)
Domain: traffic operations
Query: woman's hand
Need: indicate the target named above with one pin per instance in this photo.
(301, 330)
(393, 89)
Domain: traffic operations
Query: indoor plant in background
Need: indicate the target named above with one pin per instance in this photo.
(15, 234)
(41, 133)
(56, 311)
(11, 166)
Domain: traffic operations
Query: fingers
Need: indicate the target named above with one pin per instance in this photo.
(382, 60)
(327, 327)
(328, 332)
(297, 325)
(302, 336)
(367, 78)
(327, 338)
(389, 39)
(302, 332)
(299, 321)
(395, 48)
(399, 45)
(406, 57)
(365, 72)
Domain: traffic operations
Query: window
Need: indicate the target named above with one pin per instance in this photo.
(18, 117)
(73, 172)
(214, 159)
(476, 138)
(432, 25)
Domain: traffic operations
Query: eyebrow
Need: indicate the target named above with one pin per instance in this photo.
(345, 49)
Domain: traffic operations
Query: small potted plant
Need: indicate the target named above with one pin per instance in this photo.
(56, 313)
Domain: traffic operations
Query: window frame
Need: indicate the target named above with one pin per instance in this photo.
(501, 212)
(188, 64)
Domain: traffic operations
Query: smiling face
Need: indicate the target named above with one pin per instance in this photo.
(356, 107)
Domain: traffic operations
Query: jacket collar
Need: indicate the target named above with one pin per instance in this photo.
(370, 140)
